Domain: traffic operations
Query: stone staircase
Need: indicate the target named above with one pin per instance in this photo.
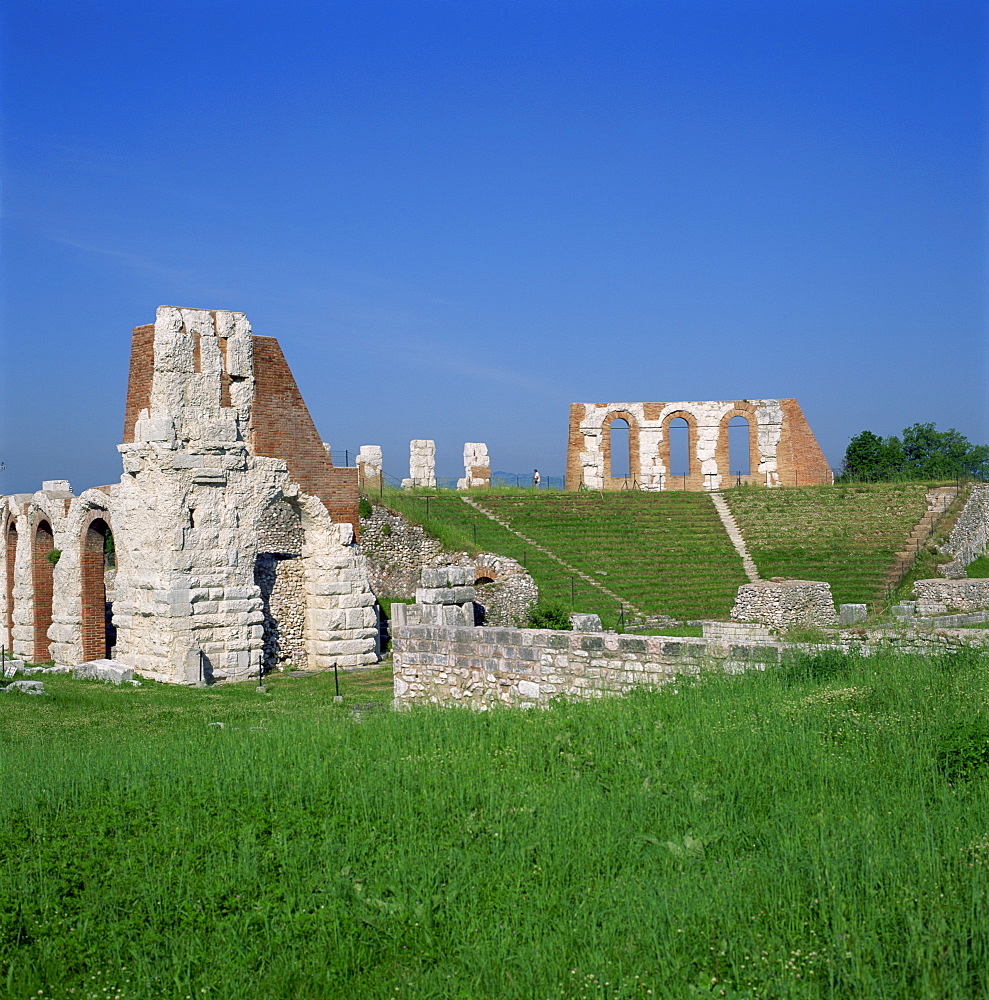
(728, 520)
(938, 502)
(552, 555)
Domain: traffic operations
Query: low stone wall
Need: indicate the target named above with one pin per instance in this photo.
(490, 666)
(782, 603)
(936, 596)
(482, 667)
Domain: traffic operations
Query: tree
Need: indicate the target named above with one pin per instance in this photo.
(924, 453)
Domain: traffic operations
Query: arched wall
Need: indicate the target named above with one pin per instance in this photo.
(42, 580)
(10, 543)
(694, 479)
(92, 564)
(634, 466)
(722, 453)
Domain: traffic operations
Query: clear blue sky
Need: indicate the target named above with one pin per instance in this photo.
(459, 216)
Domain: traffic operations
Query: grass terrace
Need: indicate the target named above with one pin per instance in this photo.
(667, 553)
(847, 535)
(813, 832)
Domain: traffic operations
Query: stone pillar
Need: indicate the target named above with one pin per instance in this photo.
(477, 467)
(422, 464)
(187, 513)
(369, 468)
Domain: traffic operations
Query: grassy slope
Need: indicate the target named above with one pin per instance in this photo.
(667, 553)
(846, 535)
(775, 835)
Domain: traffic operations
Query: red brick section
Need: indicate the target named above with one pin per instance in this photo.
(11, 556)
(93, 589)
(281, 427)
(142, 359)
(42, 572)
(617, 482)
(801, 461)
(575, 445)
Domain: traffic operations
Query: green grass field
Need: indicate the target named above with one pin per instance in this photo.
(666, 553)
(820, 830)
(845, 535)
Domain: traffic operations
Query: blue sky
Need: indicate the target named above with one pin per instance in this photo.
(459, 216)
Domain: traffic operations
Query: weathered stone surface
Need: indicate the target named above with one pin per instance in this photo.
(852, 614)
(952, 595)
(585, 623)
(970, 535)
(422, 464)
(103, 670)
(784, 604)
(24, 687)
(477, 466)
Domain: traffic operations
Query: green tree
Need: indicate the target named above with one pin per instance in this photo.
(923, 453)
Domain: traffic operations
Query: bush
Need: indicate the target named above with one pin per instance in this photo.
(553, 616)
(54, 556)
(963, 751)
(364, 508)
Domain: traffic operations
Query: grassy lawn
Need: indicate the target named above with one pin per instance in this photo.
(815, 831)
(667, 553)
(846, 535)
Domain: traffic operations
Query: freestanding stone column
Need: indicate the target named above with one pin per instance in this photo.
(369, 465)
(477, 466)
(422, 464)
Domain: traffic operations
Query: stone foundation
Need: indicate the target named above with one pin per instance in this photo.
(786, 603)
(938, 596)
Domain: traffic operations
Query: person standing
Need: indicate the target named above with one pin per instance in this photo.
(535, 478)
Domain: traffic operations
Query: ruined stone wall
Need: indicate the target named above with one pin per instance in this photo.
(939, 596)
(784, 604)
(398, 552)
(970, 535)
(279, 573)
(198, 480)
(484, 668)
(782, 447)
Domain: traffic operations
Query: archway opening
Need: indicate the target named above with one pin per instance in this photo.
(96, 558)
(42, 579)
(679, 432)
(482, 580)
(279, 573)
(9, 583)
(621, 456)
(739, 456)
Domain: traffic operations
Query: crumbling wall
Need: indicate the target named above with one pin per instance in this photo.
(422, 464)
(782, 447)
(477, 466)
(784, 604)
(970, 535)
(939, 596)
(200, 473)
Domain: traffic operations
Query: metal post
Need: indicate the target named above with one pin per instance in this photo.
(346, 457)
(202, 667)
(427, 507)
(336, 682)
(573, 595)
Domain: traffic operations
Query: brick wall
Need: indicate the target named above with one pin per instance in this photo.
(93, 588)
(140, 377)
(281, 427)
(799, 457)
(575, 444)
(11, 542)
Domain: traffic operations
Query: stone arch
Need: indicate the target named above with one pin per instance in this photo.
(722, 453)
(95, 617)
(10, 541)
(42, 583)
(693, 479)
(280, 576)
(634, 468)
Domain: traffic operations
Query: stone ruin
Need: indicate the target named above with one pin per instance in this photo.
(369, 468)
(782, 448)
(477, 467)
(422, 464)
(227, 547)
(445, 597)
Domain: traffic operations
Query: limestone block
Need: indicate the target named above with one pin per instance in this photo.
(444, 576)
(585, 623)
(103, 670)
(24, 687)
(851, 614)
(444, 595)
